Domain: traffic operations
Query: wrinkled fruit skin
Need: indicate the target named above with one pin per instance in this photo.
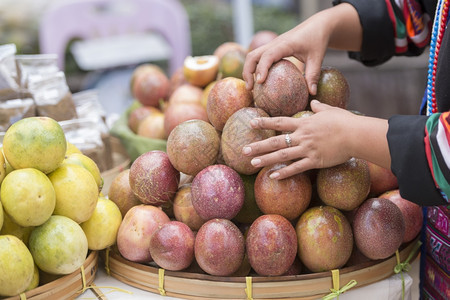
(219, 247)
(287, 197)
(227, 96)
(333, 88)
(172, 246)
(217, 192)
(344, 186)
(237, 133)
(271, 245)
(153, 179)
(325, 238)
(192, 146)
(284, 92)
(378, 228)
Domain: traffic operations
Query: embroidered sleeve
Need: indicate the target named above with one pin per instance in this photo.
(437, 149)
(411, 25)
(390, 28)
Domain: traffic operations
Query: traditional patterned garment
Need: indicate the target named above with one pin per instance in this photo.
(410, 24)
(435, 259)
(437, 148)
(419, 145)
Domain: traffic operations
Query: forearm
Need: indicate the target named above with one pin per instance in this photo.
(343, 27)
(367, 140)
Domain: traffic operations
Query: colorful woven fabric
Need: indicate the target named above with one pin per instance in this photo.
(437, 148)
(411, 24)
(436, 254)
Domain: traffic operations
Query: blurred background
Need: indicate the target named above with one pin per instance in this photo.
(393, 88)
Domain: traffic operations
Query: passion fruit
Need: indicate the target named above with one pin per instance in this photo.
(284, 92)
(200, 70)
(333, 88)
(192, 146)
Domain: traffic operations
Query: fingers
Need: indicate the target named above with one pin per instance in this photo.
(252, 67)
(285, 154)
(312, 74)
(268, 145)
(274, 123)
(317, 106)
(258, 61)
(296, 167)
(249, 68)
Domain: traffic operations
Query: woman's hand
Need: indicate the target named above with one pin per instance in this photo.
(337, 27)
(291, 43)
(329, 137)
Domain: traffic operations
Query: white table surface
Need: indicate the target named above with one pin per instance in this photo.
(387, 289)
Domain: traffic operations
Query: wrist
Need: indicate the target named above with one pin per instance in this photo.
(367, 140)
(345, 28)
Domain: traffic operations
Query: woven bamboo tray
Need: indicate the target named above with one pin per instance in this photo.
(202, 286)
(67, 287)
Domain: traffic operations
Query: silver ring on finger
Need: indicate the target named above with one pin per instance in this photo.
(288, 140)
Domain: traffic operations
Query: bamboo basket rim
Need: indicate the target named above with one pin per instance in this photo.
(68, 286)
(186, 285)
